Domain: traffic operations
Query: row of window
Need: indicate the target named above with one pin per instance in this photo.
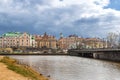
(15, 43)
(15, 40)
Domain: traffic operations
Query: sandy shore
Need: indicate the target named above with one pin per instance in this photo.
(1, 57)
(6, 74)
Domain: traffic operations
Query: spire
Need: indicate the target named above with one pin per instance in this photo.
(61, 35)
(45, 33)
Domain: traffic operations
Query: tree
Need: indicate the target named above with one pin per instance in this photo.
(113, 39)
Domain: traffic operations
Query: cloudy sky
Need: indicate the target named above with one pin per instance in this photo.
(87, 18)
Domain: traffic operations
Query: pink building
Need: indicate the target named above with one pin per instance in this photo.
(15, 39)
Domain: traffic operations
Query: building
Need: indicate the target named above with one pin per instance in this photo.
(73, 42)
(46, 41)
(33, 43)
(1, 42)
(70, 42)
(93, 43)
(16, 39)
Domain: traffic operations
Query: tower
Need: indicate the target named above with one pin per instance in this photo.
(61, 35)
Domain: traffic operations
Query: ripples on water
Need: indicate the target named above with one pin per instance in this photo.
(72, 68)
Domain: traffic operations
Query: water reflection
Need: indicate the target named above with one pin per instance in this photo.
(72, 68)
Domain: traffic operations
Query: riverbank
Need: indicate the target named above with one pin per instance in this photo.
(10, 70)
(72, 67)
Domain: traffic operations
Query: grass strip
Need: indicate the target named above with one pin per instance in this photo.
(22, 69)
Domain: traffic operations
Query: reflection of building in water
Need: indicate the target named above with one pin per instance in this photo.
(45, 41)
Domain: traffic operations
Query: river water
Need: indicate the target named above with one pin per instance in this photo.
(72, 68)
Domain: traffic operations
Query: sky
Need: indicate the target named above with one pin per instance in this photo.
(86, 18)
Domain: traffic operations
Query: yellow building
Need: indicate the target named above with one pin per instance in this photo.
(72, 41)
(94, 43)
(46, 41)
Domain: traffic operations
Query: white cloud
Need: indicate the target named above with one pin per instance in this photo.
(79, 16)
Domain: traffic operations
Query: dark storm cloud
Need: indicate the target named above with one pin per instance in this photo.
(69, 17)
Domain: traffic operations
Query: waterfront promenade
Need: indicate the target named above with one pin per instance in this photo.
(105, 54)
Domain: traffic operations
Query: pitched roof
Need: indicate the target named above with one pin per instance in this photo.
(12, 34)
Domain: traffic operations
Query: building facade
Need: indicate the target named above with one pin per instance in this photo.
(70, 42)
(94, 43)
(46, 41)
(73, 42)
(15, 39)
